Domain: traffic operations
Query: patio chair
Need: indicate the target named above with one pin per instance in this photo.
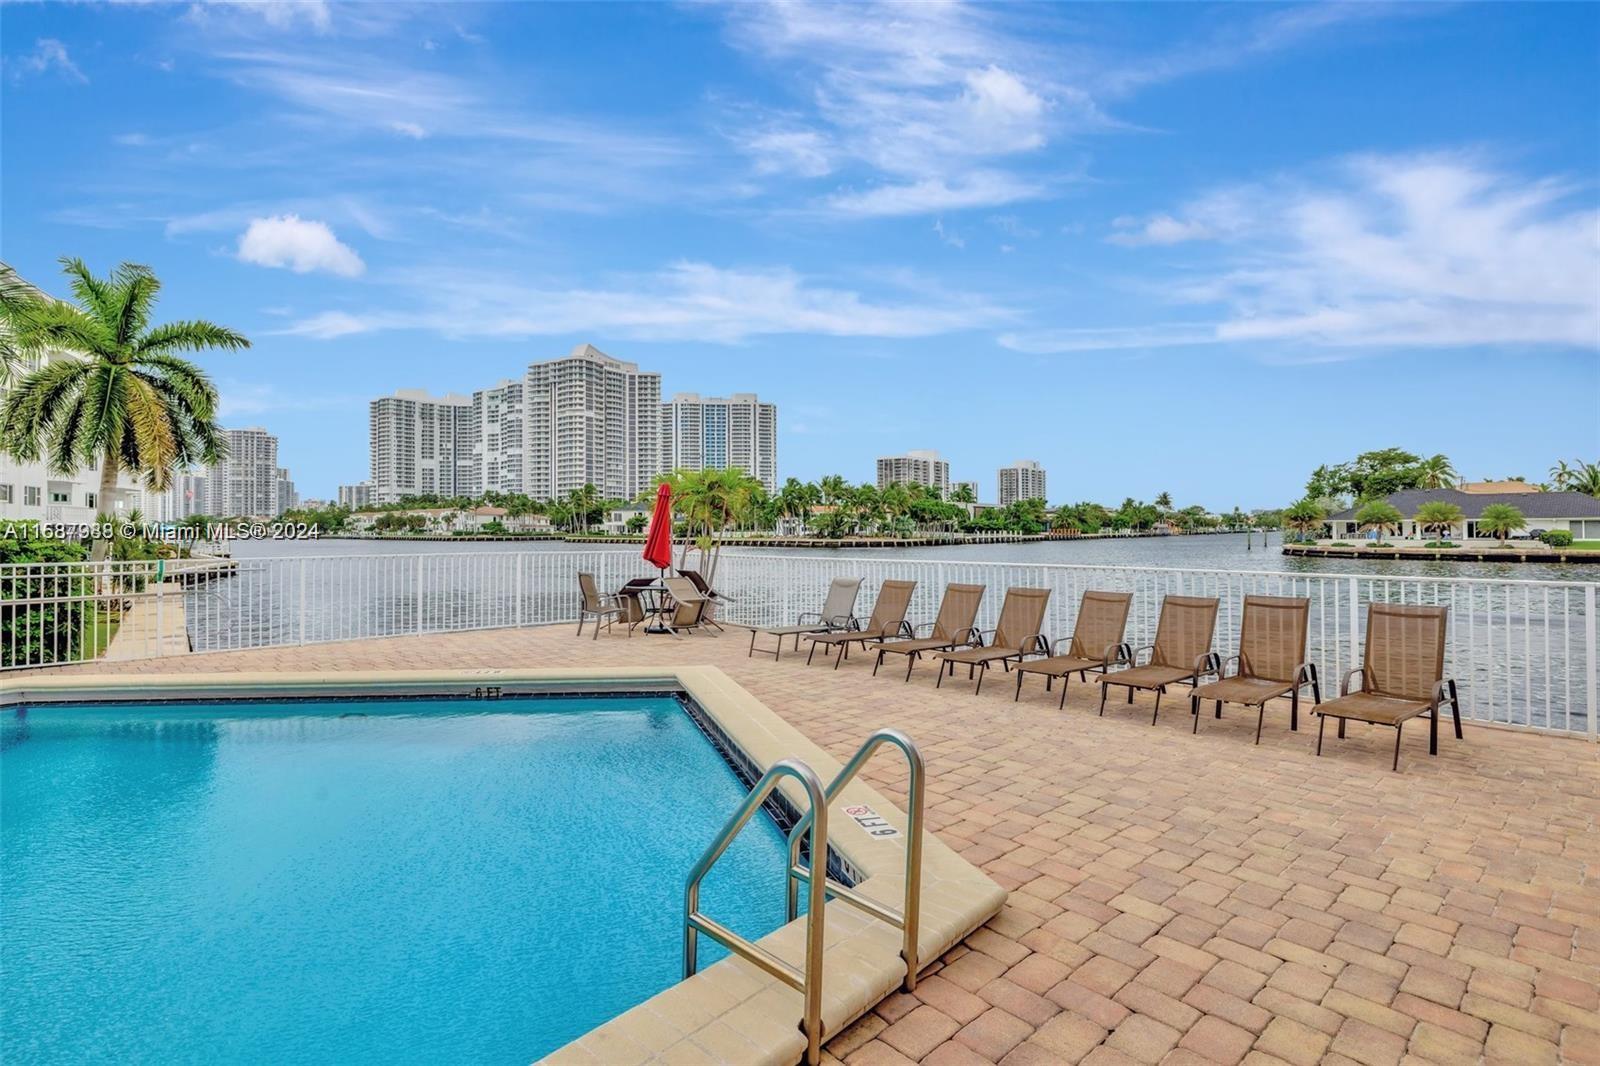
(717, 599)
(888, 620)
(1271, 661)
(1182, 651)
(837, 611)
(1096, 643)
(605, 610)
(685, 611)
(1014, 638)
(1402, 675)
(952, 628)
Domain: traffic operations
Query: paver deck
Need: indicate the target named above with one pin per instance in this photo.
(1179, 898)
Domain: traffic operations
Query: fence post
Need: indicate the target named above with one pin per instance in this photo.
(419, 593)
(161, 643)
(517, 587)
(1355, 625)
(303, 563)
(1590, 666)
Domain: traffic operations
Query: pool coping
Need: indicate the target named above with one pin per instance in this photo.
(732, 1011)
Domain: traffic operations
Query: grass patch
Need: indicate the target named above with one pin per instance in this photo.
(1441, 544)
(1585, 545)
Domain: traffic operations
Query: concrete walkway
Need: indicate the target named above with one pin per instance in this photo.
(154, 625)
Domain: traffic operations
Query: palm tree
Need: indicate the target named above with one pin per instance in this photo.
(117, 394)
(1380, 516)
(1164, 501)
(833, 489)
(1500, 520)
(1439, 517)
(1436, 472)
(1580, 477)
(1305, 518)
(963, 494)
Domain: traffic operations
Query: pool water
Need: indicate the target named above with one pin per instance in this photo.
(352, 882)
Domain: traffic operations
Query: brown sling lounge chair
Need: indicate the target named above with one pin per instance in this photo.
(888, 620)
(1271, 661)
(837, 612)
(1014, 638)
(716, 598)
(1402, 675)
(1096, 644)
(685, 612)
(951, 629)
(1182, 651)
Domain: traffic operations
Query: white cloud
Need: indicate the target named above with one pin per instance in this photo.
(276, 14)
(301, 245)
(978, 189)
(242, 399)
(686, 300)
(1391, 251)
(48, 54)
(954, 240)
(408, 129)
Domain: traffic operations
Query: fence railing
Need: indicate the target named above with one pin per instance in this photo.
(1522, 652)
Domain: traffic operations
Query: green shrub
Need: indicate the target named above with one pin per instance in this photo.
(32, 633)
(1341, 544)
(1557, 538)
(1441, 544)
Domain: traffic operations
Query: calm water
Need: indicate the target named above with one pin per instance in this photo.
(427, 882)
(1220, 552)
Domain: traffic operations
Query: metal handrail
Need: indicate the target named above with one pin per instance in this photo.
(807, 981)
(908, 918)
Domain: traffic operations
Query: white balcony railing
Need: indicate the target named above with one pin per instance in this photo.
(1523, 652)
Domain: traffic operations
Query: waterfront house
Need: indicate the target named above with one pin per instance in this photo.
(1572, 511)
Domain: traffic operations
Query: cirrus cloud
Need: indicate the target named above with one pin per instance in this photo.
(300, 245)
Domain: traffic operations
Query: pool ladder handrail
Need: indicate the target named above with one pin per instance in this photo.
(807, 981)
(907, 919)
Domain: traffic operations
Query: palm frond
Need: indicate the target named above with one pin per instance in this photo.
(188, 381)
(54, 326)
(151, 424)
(36, 403)
(97, 295)
(136, 288)
(189, 336)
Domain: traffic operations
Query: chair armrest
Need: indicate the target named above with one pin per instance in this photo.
(840, 621)
(919, 628)
(974, 637)
(1441, 693)
(1344, 686)
(1116, 653)
(800, 621)
(1208, 663)
(1305, 674)
(1222, 671)
(903, 629)
(1133, 660)
(1035, 645)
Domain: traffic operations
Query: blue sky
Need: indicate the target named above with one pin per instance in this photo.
(1185, 248)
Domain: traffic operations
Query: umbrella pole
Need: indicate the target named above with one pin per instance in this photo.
(660, 627)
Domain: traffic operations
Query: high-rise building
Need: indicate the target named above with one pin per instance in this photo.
(1022, 480)
(246, 482)
(185, 496)
(421, 444)
(288, 498)
(591, 420)
(718, 433)
(915, 468)
(499, 425)
(355, 497)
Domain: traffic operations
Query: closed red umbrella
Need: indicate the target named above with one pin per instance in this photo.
(658, 541)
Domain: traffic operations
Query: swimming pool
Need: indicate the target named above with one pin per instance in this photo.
(381, 880)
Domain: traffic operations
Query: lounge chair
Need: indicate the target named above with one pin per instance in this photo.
(837, 611)
(605, 610)
(1182, 651)
(888, 620)
(1271, 661)
(1014, 638)
(1402, 675)
(717, 599)
(951, 629)
(686, 609)
(1096, 643)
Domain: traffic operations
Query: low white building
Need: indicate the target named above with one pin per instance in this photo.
(1574, 512)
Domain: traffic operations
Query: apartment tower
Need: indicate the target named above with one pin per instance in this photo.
(1022, 480)
(718, 433)
(421, 444)
(915, 468)
(593, 420)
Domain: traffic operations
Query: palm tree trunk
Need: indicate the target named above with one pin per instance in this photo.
(101, 548)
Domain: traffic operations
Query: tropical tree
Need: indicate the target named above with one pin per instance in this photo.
(1439, 517)
(963, 494)
(1500, 520)
(1305, 518)
(1164, 501)
(1436, 472)
(1380, 516)
(1580, 477)
(115, 392)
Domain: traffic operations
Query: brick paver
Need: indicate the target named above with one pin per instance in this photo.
(1180, 898)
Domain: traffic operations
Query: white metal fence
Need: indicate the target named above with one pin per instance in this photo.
(1522, 652)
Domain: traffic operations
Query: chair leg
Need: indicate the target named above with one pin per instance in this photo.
(1104, 688)
(1294, 712)
(1398, 727)
(1159, 690)
(911, 661)
(1433, 731)
(1063, 704)
(939, 683)
(1194, 709)
(1018, 695)
(1341, 729)
(1130, 694)
(596, 630)
(751, 653)
(983, 672)
(1322, 720)
(1219, 708)
(878, 663)
(1455, 707)
(580, 623)
(844, 649)
(812, 652)
(1261, 716)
